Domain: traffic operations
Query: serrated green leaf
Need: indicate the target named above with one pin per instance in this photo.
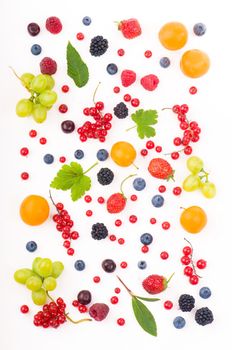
(66, 176)
(147, 299)
(144, 120)
(145, 131)
(76, 67)
(144, 317)
(79, 188)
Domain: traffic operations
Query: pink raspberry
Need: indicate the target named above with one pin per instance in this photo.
(53, 25)
(150, 82)
(48, 66)
(99, 311)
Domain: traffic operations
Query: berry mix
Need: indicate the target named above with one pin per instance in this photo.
(41, 278)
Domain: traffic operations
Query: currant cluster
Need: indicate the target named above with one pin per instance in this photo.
(191, 131)
(99, 128)
(51, 315)
(64, 224)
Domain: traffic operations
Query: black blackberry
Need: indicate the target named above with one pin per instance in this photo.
(98, 46)
(186, 302)
(204, 316)
(121, 110)
(99, 231)
(105, 176)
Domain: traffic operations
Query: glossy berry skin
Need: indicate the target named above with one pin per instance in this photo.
(33, 29)
(102, 155)
(144, 152)
(79, 154)
(43, 141)
(127, 97)
(86, 20)
(158, 149)
(96, 279)
(177, 191)
(152, 221)
(112, 68)
(187, 250)
(121, 52)
(168, 305)
(33, 133)
(84, 297)
(121, 241)
(150, 145)
(177, 141)
(188, 271)
(24, 151)
(147, 53)
(146, 238)
(145, 249)
(24, 309)
(80, 36)
(165, 225)
(117, 290)
(114, 300)
(120, 321)
(101, 200)
(63, 108)
(62, 159)
(201, 264)
(65, 88)
(133, 219)
(118, 223)
(162, 189)
(88, 198)
(36, 49)
(139, 184)
(135, 102)
(194, 279)
(192, 90)
(31, 246)
(79, 265)
(48, 158)
(205, 292)
(175, 155)
(24, 175)
(108, 265)
(185, 260)
(179, 322)
(164, 255)
(133, 197)
(157, 201)
(199, 29)
(142, 264)
(164, 62)
(67, 126)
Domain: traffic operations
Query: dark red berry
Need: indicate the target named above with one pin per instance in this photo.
(74, 235)
(133, 219)
(176, 109)
(152, 221)
(144, 249)
(193, 279)
(193, 90)
(164, 255)
(89, 213)
(24, 309)
(144, 152)
(112, 238)
(33, 133)
(120, 321)
(184, 108)
(177, 141)
(177, 191)
(63, 108)
(147, 53)
(188, 271)
(24, 151)
(133, 197)
(168, 305)
(158, 149)
(70, 251)
(117, 290)
(150, 145)
(101, 200)
(62, 159)
(118, 223)
(43, 140)
(162, 189)
(88, 199)
(25, 175)
(187, 250)
(188, 150)
(135, 102)
(175, 155)
(201, 264)
(185, 260)
(123, 264)
(127, 97)
(114, 300)
(121, 241)
(116, 89)
(121, 52)
(65, 88)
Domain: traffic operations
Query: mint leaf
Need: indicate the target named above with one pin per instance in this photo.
(144, 317)
(144, 120)
(79, 188)
(77, 69)
(147, 299)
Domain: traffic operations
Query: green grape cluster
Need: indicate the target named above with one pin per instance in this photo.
(198, 179)
(40, 279)
(42, 96)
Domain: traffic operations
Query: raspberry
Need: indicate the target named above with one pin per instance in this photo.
(105, 176)
(186, 302)
(48, 66)
(99, 231)
(53, 25)
(98, 46)
(99, 311)
(116, 203)
(130, 28)
(204, 316)
(128, 77)
(121, 110)
(150, 82)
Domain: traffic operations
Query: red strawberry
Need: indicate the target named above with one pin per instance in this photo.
(155, 284)
(128, 77)
(130, 28)
(150, 82)
(161, 169)
(116, 203)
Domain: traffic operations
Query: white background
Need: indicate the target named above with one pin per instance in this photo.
(211, 107)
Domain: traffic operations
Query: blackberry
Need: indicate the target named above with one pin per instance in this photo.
(121, 110)
(99, 231)
(98, 46)
(105, 176)
(204, 316)
(186, 302)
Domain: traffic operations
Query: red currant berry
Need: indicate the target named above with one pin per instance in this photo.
(67, 244)
(99, 105)
(184, 108)
(89, 213)
(147, 53)
(102, 139)
(133, 197)
(127, 97)
(116, 89)
(117, 290)
(88, 199)
(185, 260)
(150, 145)
(74, 235)
(176, 109)
(188, 150)
(120, 321)
(80, 36)
(145, 249)
(144, 152)
(82, 308)
(123, 264)
(43, 140)
(177, 141)
(121, 52)
(133, 219)
(152, 221)
(135, 102)
(158, 149)
(86, 111)
(24, 309)
(192, 90)
(59, 206)
(168, 305)
(193, 279)
(114, 300)
(70, 251)
(162, 189)
(24, 151)
(96, 279)
(182, 117)
(188, 271)
(164, 255)
(63, 108)
(165, 225)
(195, 138)
(118, 222)
(101, 200)
(62, 159)
(121, 241)
(83, 138)
(112, 238)
(175, 155)
(177, 191)
(65, 88)
(33, 133)
(24, 175)
(184, 125)
(75, 303)
(201, 264)
(187, 250)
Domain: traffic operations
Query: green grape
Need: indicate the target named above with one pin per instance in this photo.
(39, 83)
(44, 267)
(50, 81)
(57, 269)
(47, 98)
(22, 275)
(39, 297)
(208, 189)
(39, 113)
(34, 283)
(49, 283)
(35, 264)
(195, 164)
(26, 79)
(191, 183)
(24, 108)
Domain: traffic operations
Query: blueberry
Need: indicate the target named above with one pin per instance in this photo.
(79, 154)
(142, 264)
(165, 62)
(79, 265)
(157, 201)
(146, 238)
(86, 20)
(112, 68)
(139, 184)
(179, 322)
(205, 292)
(48, 158)
(36, 49)
(31, 246)
(102, 154)
(199, 29)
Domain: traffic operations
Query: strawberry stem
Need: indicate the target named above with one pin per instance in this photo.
(123, 183)
(86, 171)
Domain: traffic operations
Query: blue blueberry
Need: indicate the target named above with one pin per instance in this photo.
(86, 20)
(79, 154)
(165, 62)
(48, 158)
(146, 238)
(158, 201)
(112, 68)
(31, 246)
(139, 184)
(102, 154)
(179, 322)
(142, 264)
(199, 29)
(36, 49)
(205, 292)
(79, 265)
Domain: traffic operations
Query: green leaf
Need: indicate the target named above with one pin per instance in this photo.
(144, 317)
(77, 69)
(79, 188)
(147, 299)
(144, 120)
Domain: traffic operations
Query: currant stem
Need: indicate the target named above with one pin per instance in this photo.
(191, 257)
(123, 183)
(50, 297)
(135, 166)
(129, 291)
(52, 200)
(86, 171)
(168, 154)
(132, 127)
(95, 91)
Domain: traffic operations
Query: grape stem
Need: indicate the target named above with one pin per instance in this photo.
(191, 258)
(206, 175)
(17, 76)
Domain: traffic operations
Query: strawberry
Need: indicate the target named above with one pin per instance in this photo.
(116, 203)
(128, 77)
(150, 82)
(155, 284)
(130, 28)
(161, 169)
